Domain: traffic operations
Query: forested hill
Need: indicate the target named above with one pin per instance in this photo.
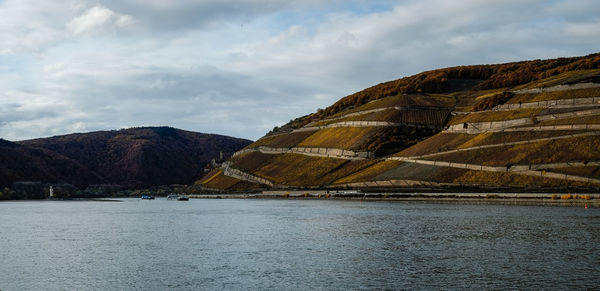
(134, 158)
(23, 163)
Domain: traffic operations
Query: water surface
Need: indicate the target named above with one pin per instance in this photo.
(294, 244)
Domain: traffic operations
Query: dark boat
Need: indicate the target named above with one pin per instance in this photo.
(147, 197)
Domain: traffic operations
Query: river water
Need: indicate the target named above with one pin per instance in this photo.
(295, 244)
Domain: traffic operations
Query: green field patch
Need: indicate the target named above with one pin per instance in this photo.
(438, 143)
(251, 161)
(412, 171)
(592, 119)
(563, 78)
(557, 95)
(209, 176)
(405, 100)
(244, 186)
(220, 181)
(262, 141)
(340, 137)
(552, 151)
(367, 174)
(385, 115)
(494, 115)
(287, 140)
(300, 170)
(349, 168)
(504, 179)
(589, 171)
(391, 140)
(407, 116)
(491, 138)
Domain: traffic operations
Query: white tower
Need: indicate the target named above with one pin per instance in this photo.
(51, 192)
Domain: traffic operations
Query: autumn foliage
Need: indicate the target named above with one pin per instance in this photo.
(477, 77)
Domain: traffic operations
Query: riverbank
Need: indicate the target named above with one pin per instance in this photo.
(541, 199)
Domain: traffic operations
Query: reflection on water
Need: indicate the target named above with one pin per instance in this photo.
(287, 244)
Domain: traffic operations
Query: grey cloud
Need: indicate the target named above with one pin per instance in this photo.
(204, 99)
(17, 112)
(160, 79)
(186, 15)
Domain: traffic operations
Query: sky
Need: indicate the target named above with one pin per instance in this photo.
(239, 68)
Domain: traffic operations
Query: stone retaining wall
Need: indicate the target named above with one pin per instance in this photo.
(557, 88)
(498, 145)
(295, 193)
(241, 175)
(387, 183)
(541, 128)
(362, 113)
(561, 103)
(513, 169)
(554, 127)
(399, 108)
(310, 151)
(361, 124)
(478, 127)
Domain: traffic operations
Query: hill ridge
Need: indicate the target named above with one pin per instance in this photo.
(137, 157)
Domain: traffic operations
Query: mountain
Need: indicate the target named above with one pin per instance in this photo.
(522, 125)
(135, 157)
(22, 163)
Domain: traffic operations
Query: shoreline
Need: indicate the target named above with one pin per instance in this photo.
(530, 199)
(516, 199)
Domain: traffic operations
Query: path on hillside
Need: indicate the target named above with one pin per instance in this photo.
(241, 175)
(364, 124)
(311, 151)
(388, 183)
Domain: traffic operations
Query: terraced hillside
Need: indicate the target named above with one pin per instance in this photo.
(532, 124)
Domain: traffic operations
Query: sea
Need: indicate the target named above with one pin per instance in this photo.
(256, 244)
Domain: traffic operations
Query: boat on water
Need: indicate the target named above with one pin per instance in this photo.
(174, 196)
(147, 197)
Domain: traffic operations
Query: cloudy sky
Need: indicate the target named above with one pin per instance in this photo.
(240, 68)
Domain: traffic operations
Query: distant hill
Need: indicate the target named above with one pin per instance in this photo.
(22, 163)
(135, 157)
(528, 125)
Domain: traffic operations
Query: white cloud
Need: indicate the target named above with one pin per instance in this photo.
(242, 67)
(28, 25)
(589, 30)
(53, 68)
(96, 18)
